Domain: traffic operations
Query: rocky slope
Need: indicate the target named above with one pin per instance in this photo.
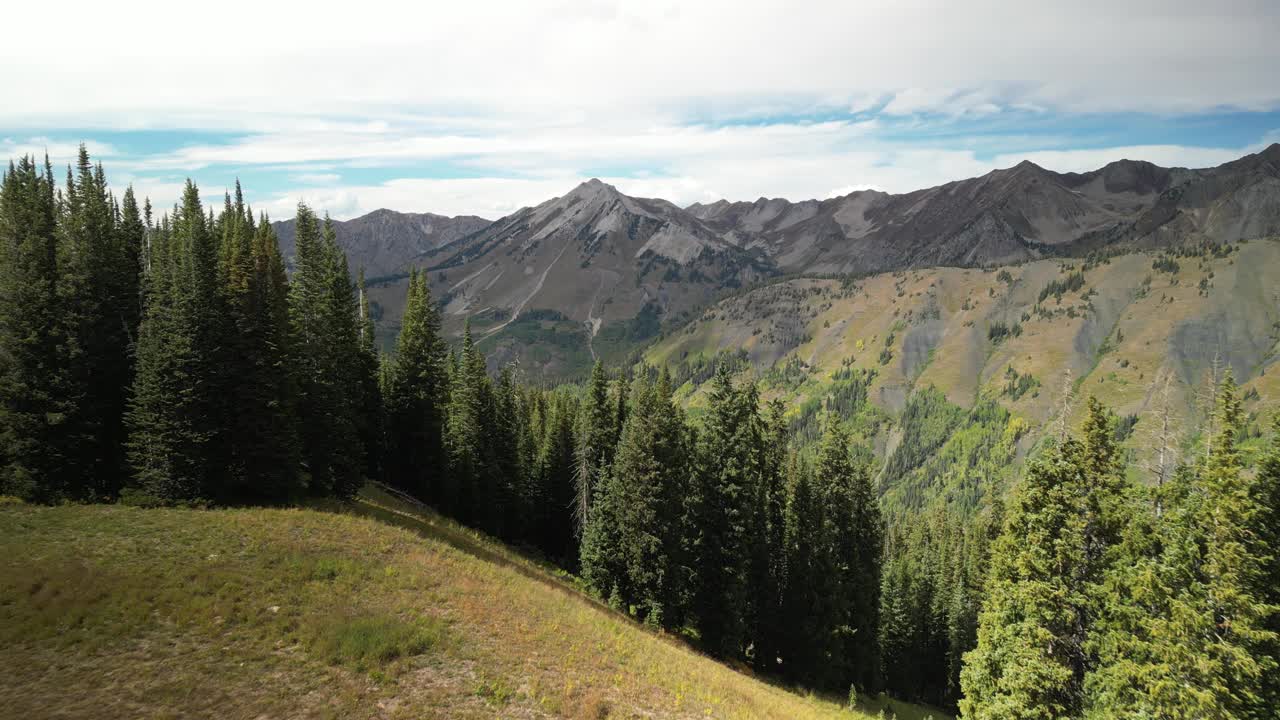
(386, 242)
(593, 272)
(1123, 329)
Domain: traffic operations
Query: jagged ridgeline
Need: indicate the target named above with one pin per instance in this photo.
(1045, 486)
(596, 273)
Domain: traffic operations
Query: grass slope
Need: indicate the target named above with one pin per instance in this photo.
(115, 612)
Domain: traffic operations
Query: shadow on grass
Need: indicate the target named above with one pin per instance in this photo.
(379, 502)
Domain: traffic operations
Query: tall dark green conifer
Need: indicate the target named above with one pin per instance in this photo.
(464, 440)
(853, 527)
(176, 408)
(34, 447)
(372, 417)
(633, 547)
(555, 489)
(98, 294)
(415, 399)
(263, 441)
(809, 601)
(767, 573)
(730, 476)
(598, 438)
(325, 344)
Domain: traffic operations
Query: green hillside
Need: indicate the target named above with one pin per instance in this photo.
(1014, 338)
(115, 612)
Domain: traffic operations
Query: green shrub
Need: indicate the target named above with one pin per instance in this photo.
(368, 642)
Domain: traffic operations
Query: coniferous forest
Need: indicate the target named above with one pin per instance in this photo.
(175, 358)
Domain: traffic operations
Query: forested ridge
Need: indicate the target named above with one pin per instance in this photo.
(175, 360)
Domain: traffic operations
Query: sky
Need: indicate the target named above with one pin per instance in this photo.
(483, 107)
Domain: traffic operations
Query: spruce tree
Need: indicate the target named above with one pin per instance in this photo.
(1265, 494)
(554, 494)
(175, 415)
(98, 294)
(597, 440)
(372, 418)
(502, 454)
(464, 440)
(34, 447)
(854, 528)
(263, 433)
(1048, 590)
(1027, 661)
(729, 479)
(325, 348)
(633, 547)
(767, 572)
(1186, 631)
(414, 397)
(809, 602)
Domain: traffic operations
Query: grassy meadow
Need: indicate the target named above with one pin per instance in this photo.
(374, 610)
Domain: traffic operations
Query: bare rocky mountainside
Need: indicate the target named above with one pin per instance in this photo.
(386, 242)
(596, 273)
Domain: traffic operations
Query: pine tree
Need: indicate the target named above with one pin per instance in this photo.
(729, 479)
(1048, 587)
(1265, 495)
(555, 494)
(350, 374)
(768, 579)
(263, 433)
(34, 448)
(502, 455)
(372, 419)
(633, 545)
(175, 415)
(98, 294)
(1026, 664)
(1185, 631)
(810, 609)
(325, 347)
(414, 397)
(597, 440)
(464, 440)
(854, 528)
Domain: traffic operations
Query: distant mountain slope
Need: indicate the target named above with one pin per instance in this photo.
(1016, 336)
(592, 254)
(1010, 215)
(592, 273)
(386, 242)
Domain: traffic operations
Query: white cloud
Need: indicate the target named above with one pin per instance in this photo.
(532, 97)
(175, 66)
(704, 178)
(316, 178)
(60, 153)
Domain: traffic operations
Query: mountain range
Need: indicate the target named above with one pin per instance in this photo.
(596, 272)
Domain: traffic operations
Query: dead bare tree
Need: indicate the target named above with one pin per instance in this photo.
(1208, 398)
(1163, 433)
(1065, 410)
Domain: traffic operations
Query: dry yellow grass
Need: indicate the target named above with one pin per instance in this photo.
(113, 612)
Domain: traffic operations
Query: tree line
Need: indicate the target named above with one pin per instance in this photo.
(715, 529)
(1111, 598)
(179, 360)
